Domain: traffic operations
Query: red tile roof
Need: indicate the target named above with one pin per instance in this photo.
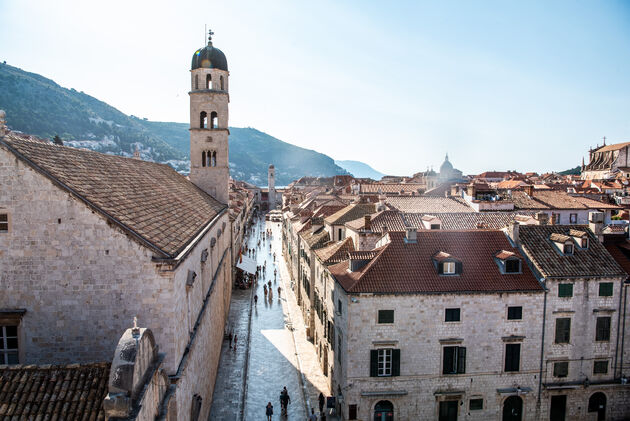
(71, 392)
(335, 252)
(158, 207)
(400, 267)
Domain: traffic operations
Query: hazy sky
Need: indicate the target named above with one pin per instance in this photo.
(498, 85)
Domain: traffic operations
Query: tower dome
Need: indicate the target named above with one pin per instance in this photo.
(209, 57)
(446, 165)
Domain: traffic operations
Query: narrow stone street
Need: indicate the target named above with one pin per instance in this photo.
(272, 351)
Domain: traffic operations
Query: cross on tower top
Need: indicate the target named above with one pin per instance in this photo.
(604, 140)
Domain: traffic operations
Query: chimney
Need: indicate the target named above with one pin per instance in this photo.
(542, 218)
(470, 190)
(367, 223)
(513, 232)
(411, 235)
(596, 224)
(381, 203)
(529, 190)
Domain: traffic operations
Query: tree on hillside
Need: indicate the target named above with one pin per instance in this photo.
(57, 140)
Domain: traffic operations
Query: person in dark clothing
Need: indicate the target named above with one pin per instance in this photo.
(322, 401)
(285, 400)
(269, 411)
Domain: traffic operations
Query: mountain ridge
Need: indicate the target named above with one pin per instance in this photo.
(39, 106)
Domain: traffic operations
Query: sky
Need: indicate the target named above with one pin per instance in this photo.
(527, 86)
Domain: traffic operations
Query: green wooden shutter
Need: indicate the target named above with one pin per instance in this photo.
(395, 362)
(373, 363)
(440, 268)
(461, 360)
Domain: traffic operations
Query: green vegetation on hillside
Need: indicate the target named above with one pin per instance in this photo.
(37, 105)
(572, 171)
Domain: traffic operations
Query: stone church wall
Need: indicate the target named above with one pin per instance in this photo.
(81, 280)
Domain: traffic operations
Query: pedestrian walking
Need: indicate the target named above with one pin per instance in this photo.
(235, 339)
(255, 299)
(321, 400)
(313, 417)
(279, 289)
(269, 411)
(230, 337)
(269, 283)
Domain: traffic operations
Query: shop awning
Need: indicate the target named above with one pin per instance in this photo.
(247, 264)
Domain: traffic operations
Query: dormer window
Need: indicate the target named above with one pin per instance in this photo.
(448, 268)
(508, 261)
(564, 243)
(446, 264)
(512, 266)
(580, 237)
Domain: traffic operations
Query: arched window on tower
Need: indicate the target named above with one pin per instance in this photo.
(208, 81)
(222, 88)
(214, 120)
(203, 120)
(203, 158)
(213, 161)
(209, 159)
(196, 81)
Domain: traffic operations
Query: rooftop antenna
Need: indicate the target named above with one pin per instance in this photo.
(205, 31)
(604, 140)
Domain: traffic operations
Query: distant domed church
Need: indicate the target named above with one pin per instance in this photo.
(447, 172)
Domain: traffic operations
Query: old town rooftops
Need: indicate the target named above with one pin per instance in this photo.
(538, 242)
(409, 267)
(350, 212)
(335, 252)
(49, 392)
(151, 202)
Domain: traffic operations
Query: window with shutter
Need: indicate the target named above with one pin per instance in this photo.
(386, 316)
(565, 290)
(374, 363)
(475, 404)
(395, 362)
(515, 313)
(600, 367)
(452, 315)
(9, 345)
(605, 289)
(602, 330)
(512, 357)
(4, 222)
(563, 330)
(454, 360)
(561, 369)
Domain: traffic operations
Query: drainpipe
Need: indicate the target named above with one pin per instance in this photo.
(623, 332)
(618, 329)
(542, 341)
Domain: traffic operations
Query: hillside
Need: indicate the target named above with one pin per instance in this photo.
(38, 106)
(360, 169)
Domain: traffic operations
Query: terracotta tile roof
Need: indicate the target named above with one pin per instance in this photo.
(559, 238)
(613, 147)
(595, 204)
(593, 261)
(439, 191)
(315, 239)
(72, 392)
(159, 207)
(428, 204)
(363, 254)
(400, 267)
(396, 188)
(335, 252)
(350, 212)
(397, 221)
(522, 201)
(620, 253)
(504, 254)
(577, 233)
(327, 210)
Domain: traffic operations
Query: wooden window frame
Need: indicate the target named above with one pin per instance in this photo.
(562, 336)
(511, 368)
(5, 222)
(513, 310)
(561, 369)
(568, 293)
(595, 367)
(458, 360)
(602, 329)
(606, 289)
(453, 312)
(383, 313)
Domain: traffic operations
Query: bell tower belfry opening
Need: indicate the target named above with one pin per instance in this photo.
(209, 99)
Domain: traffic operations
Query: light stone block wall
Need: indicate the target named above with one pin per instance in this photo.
(82, 280)
(417, 330)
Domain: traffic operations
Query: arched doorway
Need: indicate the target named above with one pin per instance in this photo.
(384, 411)
(513, 409)
(597, 403)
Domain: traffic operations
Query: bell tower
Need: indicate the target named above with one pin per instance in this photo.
(209, 99)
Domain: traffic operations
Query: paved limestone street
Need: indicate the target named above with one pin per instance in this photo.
(269, 353)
